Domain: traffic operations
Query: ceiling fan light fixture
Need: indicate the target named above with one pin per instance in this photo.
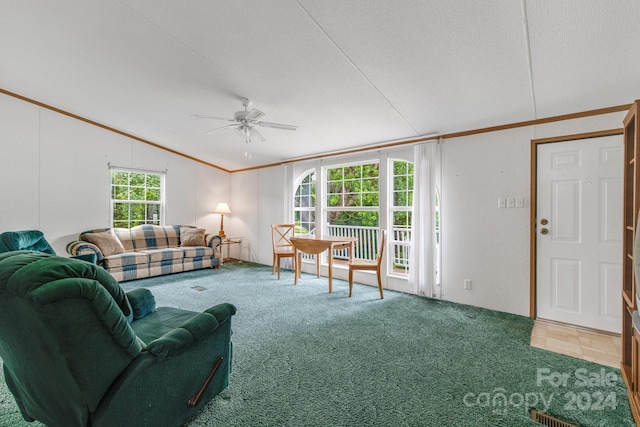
(246, 131)
(246, 122)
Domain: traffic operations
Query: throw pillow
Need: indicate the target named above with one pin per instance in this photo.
(106, 241)
(192, 236)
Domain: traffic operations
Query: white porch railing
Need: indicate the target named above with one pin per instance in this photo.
(368, 242)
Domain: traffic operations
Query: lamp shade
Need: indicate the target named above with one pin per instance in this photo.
(222, 208)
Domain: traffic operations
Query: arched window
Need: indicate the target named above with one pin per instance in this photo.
(304, 204)
(357, 199)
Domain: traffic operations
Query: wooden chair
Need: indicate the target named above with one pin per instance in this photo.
(282, 246)
(370, 265)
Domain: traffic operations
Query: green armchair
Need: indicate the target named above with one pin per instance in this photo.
(78, 351)
(32, 240)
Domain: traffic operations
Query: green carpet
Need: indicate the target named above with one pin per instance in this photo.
(303, 357)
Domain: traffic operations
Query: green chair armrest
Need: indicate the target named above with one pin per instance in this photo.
(193, 330)
(142, 302)
(92, 258)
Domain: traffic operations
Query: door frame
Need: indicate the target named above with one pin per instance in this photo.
(534, 204)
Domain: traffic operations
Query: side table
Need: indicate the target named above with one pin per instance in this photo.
(227, 243)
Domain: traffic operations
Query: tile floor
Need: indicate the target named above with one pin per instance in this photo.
(585, 344)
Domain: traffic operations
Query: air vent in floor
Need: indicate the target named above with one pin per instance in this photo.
(548, 420)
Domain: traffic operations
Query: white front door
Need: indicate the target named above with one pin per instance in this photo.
(579, 232)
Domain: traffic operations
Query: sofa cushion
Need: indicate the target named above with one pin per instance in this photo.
(192, 236)
(158, 255)
(197, 251)
(154, 237)
(126, 259)
(124, 235)
(106, 241)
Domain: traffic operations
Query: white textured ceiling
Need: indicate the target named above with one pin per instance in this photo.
(349, 73)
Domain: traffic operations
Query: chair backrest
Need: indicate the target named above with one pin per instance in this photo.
(64, 334)
(383, 235)
(25, 240)
(280, 235)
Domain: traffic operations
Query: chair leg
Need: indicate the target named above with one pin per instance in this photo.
(273, 264)
(294, 264)
(380, 284)
(350, 282)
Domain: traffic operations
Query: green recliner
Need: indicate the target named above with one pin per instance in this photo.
(78, 351)
(32, 240)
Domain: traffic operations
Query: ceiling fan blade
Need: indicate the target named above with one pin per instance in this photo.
(258, 134)
(201, 116)
(277, 126)
(254, 114)
(218, 129)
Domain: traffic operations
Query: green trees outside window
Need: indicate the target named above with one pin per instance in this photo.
(136, 198)
(401, 211)
(352, 207)
(353, 195)
(304, 205)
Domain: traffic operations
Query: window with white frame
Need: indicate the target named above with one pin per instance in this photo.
(352, 206)
(401, 205)
(304, 205)
(353, 195)
(353, 198)
(137, 198)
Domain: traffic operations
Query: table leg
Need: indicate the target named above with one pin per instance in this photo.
(330, 267)
(298, 266)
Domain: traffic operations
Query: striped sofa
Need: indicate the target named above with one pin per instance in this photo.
(148, 250)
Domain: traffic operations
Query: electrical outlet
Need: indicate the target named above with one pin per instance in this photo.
(467, 284)
(519, 202)
(511, 202)
(502, 202)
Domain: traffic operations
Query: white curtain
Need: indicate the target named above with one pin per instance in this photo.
(288, 193)
(422, 259)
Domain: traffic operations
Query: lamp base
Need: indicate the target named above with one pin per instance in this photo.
(221, 234)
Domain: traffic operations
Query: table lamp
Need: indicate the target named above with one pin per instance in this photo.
(222, 209)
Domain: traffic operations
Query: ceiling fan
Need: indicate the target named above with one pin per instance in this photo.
(246, 122)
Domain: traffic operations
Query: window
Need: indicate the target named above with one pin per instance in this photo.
(353, 195)
(136, 198)
(401, 207)
(352, 207)
(357, 199)
(304, 205)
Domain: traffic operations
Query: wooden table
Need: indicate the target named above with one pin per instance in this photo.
(228, 242)
(316, 245)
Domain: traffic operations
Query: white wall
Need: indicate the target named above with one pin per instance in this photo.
(55, 175)
(480, 242)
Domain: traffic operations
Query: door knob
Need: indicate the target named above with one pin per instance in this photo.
(544, 221)
(544, 231)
